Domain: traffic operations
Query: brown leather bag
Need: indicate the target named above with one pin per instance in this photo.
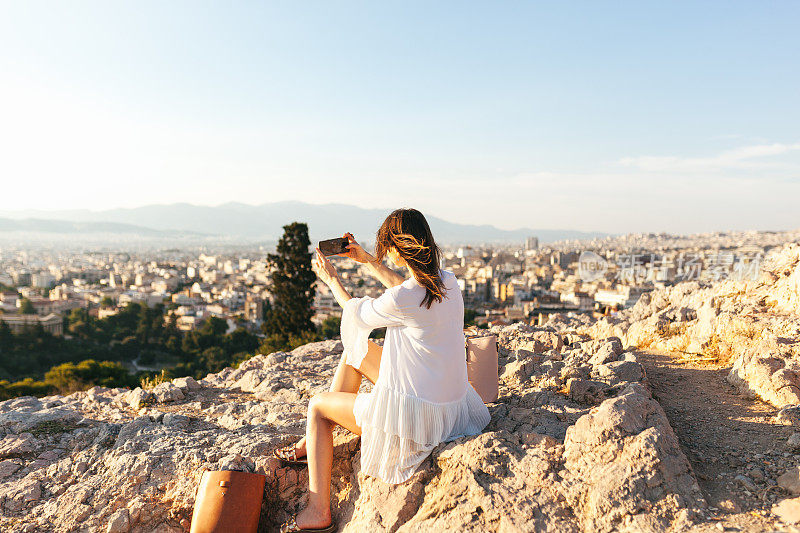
(226, 501)
(481, 352)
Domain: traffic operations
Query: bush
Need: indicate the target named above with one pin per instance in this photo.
(69, 377)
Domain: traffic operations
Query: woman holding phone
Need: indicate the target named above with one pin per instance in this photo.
(421, 395)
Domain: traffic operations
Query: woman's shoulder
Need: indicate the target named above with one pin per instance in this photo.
(412, 290)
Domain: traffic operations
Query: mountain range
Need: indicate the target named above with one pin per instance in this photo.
(264, 222)
(39, 225)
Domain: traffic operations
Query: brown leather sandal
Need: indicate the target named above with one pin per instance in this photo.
(290, 526)
(288, 454)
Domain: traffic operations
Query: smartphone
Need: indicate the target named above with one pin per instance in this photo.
(333, 246)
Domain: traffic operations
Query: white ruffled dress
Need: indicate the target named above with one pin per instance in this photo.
(422, 396)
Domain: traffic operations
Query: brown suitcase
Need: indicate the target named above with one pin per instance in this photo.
(226, 501)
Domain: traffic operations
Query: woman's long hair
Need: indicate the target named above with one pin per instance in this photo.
(408, 232)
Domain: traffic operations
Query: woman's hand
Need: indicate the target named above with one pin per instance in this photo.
(323, 268)
(355, 251)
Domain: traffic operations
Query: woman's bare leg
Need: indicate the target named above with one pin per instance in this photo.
(348, 379)
(325, 410)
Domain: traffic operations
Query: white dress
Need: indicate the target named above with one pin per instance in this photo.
(422, 396)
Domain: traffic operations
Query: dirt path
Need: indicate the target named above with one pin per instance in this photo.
(735, 446)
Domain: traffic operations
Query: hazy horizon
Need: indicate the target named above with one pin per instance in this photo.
(678, 117)
(33, 213)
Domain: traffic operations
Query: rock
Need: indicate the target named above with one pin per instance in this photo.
(175, 420)
(187, 383)
(13, 445)
(548, 340)
(619, 371)
(119, 522)
(788, 510)
(8, 467)
(544, 462)
(167, 392)
(230, 422)
(586, 391)
(730, 506)
(20, 496)
(790, 480)
(138, 398)
(623, 444)
(790, 415)
(793, 442)
(518, 371)
(608, 352)
(45, 420)
(746, 482)
(756, 475)
(82, 511)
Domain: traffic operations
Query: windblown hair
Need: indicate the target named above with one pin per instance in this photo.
(408, 232)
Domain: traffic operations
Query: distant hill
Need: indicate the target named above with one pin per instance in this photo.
(66, 226)
(264, 222)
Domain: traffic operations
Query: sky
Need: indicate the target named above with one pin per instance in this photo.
(599, 116)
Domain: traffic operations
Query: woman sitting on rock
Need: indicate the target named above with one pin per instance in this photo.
(421, 395)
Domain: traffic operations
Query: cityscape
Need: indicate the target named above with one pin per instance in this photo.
(55, 290)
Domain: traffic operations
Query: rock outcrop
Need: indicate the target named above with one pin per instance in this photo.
(576, 443)
(754, 324)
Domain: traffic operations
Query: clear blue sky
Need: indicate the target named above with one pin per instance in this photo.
(608, 116)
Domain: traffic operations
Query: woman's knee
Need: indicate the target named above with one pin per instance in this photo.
(316, 403)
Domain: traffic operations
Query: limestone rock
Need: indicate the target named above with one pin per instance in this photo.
(586, 391)
(187, 383)
(607, 352)
(752, 324)
(8, 467)
(790, 480)
(138, 398)
(544, 463)
(167, 392)
(788, 510)
(790, 415)
(619, 371)
(119, 522)
(627, 467)
(175, 420)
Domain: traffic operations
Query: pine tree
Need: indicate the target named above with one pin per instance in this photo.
(292, 284)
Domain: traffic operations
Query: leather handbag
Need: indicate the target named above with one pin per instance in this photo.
(481, 352)
(228, 500)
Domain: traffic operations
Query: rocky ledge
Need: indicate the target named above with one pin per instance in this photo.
(576, 443)
(753, 324)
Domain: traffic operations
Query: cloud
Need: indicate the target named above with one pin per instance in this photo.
(738, 158)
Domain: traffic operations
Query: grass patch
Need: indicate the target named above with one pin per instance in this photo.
(52, 427)
(672, 329)
(149, 382)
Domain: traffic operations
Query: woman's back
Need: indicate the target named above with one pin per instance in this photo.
(424, 356)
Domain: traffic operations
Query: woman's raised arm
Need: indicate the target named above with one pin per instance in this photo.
(388, 277)
(384, 274)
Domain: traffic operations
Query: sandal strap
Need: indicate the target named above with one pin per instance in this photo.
(288, 453)
(290, 525)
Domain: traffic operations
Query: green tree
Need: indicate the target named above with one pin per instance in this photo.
(214, 359)
(26, 307)
(189, 344)
(469, 317)
(330, 327)
(292, 284)
(107, 302)
(6, 336)
(240, 340)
